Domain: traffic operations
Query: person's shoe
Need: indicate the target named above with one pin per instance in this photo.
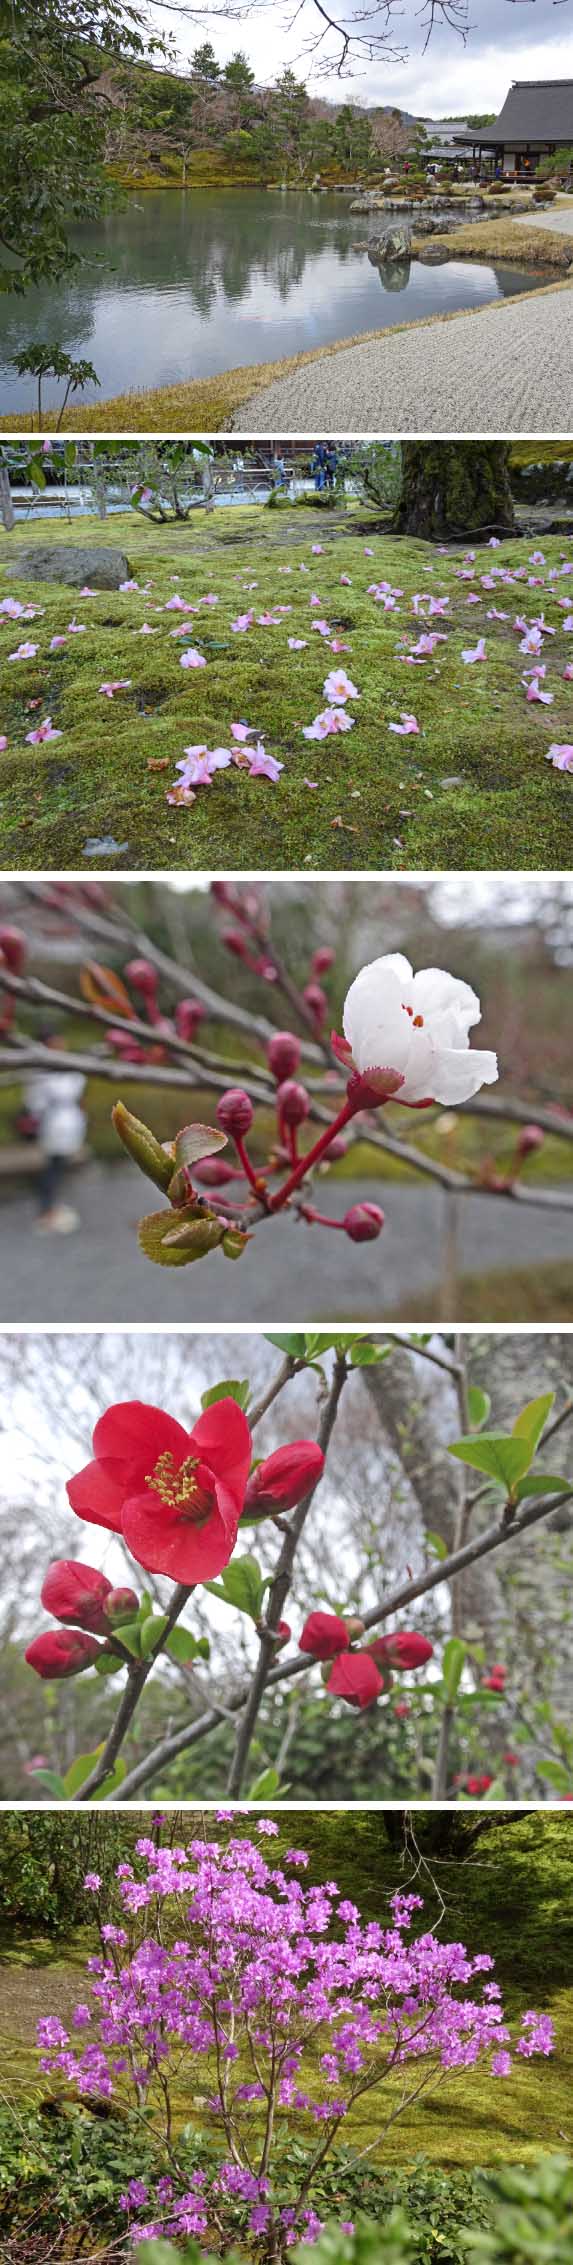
(62, 1221)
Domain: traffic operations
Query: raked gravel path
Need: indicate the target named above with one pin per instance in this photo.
(506, 369)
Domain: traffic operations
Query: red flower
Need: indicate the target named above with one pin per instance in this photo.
(175, 1495)
(284, 1478)
(77, 1595)
(324, 1635)
(511, 1761)
(478, 1785)
(405, 1649)
(62, 1651)
(496, 1680)
(355, 1677)
(402, 1708)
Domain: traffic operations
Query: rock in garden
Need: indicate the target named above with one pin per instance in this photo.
(394, 245)
(101, 568)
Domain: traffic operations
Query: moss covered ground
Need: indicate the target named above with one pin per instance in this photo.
(511, 1897)
(500, 239)
(472, 790)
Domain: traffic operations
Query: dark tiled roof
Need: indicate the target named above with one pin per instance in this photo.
(535, 110)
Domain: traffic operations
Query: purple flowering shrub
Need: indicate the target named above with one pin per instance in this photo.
(299, 2008)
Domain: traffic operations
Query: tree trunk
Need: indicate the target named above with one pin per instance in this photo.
(458, 488)
(7, 513)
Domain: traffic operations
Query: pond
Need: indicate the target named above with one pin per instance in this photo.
(179, 284)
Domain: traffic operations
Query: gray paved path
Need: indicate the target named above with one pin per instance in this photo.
(289, 1273)
(508, 369)
(560, 221)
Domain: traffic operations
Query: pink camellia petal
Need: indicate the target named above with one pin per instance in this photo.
(192, 659)
(408, 724)
(474, 652)
(560, 756)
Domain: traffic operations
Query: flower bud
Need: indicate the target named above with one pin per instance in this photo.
(401, 1708)
(317, 1001)
(142, 977)
(404, 1649)
(214, 1172)
(363, 1222)
(322, 960)
(284, 1478)
(355, 1678)
(283, 1636)
(511, 1760)
(122, 1604)
(77, 1595)
(336, 1149)
(236, 942)
(283, 1054)
(235, 1112)
(530, 1138)
(292, 1102)
(61, 1652)
(13, 949)
(324, 1635)
(188, 1014)
(355, 1627)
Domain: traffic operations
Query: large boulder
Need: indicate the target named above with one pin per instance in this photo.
(393, 245)
(101, 568)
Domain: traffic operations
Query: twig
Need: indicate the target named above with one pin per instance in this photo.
(280, 1588)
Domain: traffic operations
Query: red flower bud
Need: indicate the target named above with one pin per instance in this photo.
(336, 1149)
(283, 1054)
(355, 1627)
(188, 1014)
(401, 1708)
(530, 1137)
(363, 1222)
(77, 1595)
(61, 1652)
(322, 960)
(235, 1112)
(13, 949)
(293, 1102)
(122, 1604)
(477, 1785)
(317, 1000)
(403, 1650)
(324, 1635)
(282, 1635)
(355, 1678)
(142, 976)
(236, 942)
(511, 1761)
(214, 1172)
(284, 1478)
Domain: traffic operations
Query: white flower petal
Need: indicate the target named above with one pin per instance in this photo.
(457, 1076)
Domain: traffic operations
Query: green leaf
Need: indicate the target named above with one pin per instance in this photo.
(541, 1483)
(52, 1782)
(107, 1663)
(530, 1424)
(242, 1585)
(130, 1634)
(79, 1770)
(232, 1388)
(151, 1632)
(479, 1405)
(184, 1647)
(295, 1345)
(501, 1455)
(366, 1355)
(555, 1774)
(452, 1667)
(110, 1783)
(196, 1141)
(438, 1546)
(265, 1786)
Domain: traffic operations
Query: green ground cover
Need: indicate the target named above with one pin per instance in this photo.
(471, 791)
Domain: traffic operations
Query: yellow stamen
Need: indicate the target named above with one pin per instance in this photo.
(178, 1487)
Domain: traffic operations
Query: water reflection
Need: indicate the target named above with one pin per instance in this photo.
(180, 284)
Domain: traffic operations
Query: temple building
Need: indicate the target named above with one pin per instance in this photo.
(536, 120)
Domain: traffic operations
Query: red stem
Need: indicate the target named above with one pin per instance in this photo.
(304, 1165)
(318, 1219)
(253, 1177)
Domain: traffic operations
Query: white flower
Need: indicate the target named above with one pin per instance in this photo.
(416, 1027)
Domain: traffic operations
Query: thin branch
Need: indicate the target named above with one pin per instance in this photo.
(280, 1589)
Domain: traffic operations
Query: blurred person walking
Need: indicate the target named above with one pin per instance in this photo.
(54, 1100)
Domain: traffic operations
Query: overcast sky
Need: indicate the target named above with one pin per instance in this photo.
(508, 39)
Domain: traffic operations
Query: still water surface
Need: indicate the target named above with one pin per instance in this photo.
(182, 283)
